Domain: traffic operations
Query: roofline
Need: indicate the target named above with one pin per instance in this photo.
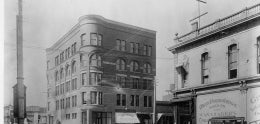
(97, 17)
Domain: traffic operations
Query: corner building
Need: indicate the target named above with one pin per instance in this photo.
(216, 71)
(101, 72)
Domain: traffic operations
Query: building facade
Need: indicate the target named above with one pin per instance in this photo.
(216, 71)
(101, 71)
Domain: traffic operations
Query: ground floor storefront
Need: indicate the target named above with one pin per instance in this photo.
(225, 105)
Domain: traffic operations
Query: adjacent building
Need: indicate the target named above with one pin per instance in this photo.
(101, 72)
(216, 71)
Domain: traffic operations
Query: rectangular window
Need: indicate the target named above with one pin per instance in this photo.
(84, 98)
(232, 61)
(123, 46)
(48, 106)
(150, 101)
(95, 78)
(57, 60)
(205, 67)
(74, 115)
(121, 80)
(145, 101)
(83, 40)
(48, 92)
(57, 105)
(118, 99)
(136, 100)
(48, 64)
(135, 83)
(145, 50)
(123, 100)
(96, 97)
(67, 116)
(132, 97)
(132, 48)
(118, 44)
(149, 53)
(137, 48)
(83, 79)
(95, 39)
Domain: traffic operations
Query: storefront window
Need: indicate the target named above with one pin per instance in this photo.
(101, 117)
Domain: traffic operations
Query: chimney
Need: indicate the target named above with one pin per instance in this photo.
(194, 26)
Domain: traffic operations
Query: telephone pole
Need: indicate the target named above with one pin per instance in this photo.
(19, 89)
(154, 102)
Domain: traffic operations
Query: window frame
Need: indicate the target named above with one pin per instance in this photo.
(232, 53)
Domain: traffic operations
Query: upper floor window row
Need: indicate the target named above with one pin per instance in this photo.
(95, 39)
(62, 73)
(120, 45)
(64, 55)
(136, 48)
(134, 66)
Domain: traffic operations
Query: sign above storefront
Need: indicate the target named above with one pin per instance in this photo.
(126, 118)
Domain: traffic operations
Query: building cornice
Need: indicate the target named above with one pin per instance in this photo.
(242, 16)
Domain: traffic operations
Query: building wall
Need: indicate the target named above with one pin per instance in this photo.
(111, 31)
(218, 61)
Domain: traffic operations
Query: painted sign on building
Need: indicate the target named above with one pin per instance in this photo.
(253, 106)
(223, 104)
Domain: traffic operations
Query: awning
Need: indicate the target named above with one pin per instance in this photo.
(143, 116)
(126, 117)
(181, 99)
(164, 114)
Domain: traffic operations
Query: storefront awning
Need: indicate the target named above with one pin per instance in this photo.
(126, 117)
(163, 114)
(181, 99)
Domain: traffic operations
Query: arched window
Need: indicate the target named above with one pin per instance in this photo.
(205, 67)
(61, 73)
(95, 60)
(83, 39)
(83, 59)
(134, 66)
(120, 64)
(56, 75)
(147, 68)
(67, 70)
(73, 67)
(232, 60)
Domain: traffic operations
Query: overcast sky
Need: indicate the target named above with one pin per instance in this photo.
(45, 21)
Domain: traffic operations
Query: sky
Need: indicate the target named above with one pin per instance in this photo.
(45, 21)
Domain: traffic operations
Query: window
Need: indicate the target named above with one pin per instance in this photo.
(67, 116)
(137, 48)
(67, 86)
(95, 39)
(101, 117)
(95, 78)
(56, 76)
(145, 51)
(73, 48)
(62, 56)
(74, 101)
(149, 53)
(120, 45)
(205, 67)
(95, 60)
(48, 64)
(148, 101)
(57, 60)
(134, 100)
(96, 97)
(147, 84)
(232, 61)
(84, 98)
(68, 102)
(136, 83)
(83, 79)
(68, 52)
(74, 115)
(147, 68)
(61, 73)
(83, 59)
(258, 55)
(48, 92)
(57, 104)
(57, 90)
(67, 70)
(121, 80)
(132, 48)
(62, 103)
(134, 66)
(83, 40)
(73, 67)
(120, 64)
(48, 106)
(74, 84)
(120, 99)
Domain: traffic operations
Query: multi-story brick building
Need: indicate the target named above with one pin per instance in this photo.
(216, 71)
(101, 71)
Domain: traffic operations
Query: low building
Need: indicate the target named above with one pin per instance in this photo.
(8, 114)
(36, 115)
(101, 72)
(217, 71)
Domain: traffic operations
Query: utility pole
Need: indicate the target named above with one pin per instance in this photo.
(154, 102)
(19, 89)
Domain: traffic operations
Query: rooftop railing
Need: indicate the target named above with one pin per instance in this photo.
(224, 22)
